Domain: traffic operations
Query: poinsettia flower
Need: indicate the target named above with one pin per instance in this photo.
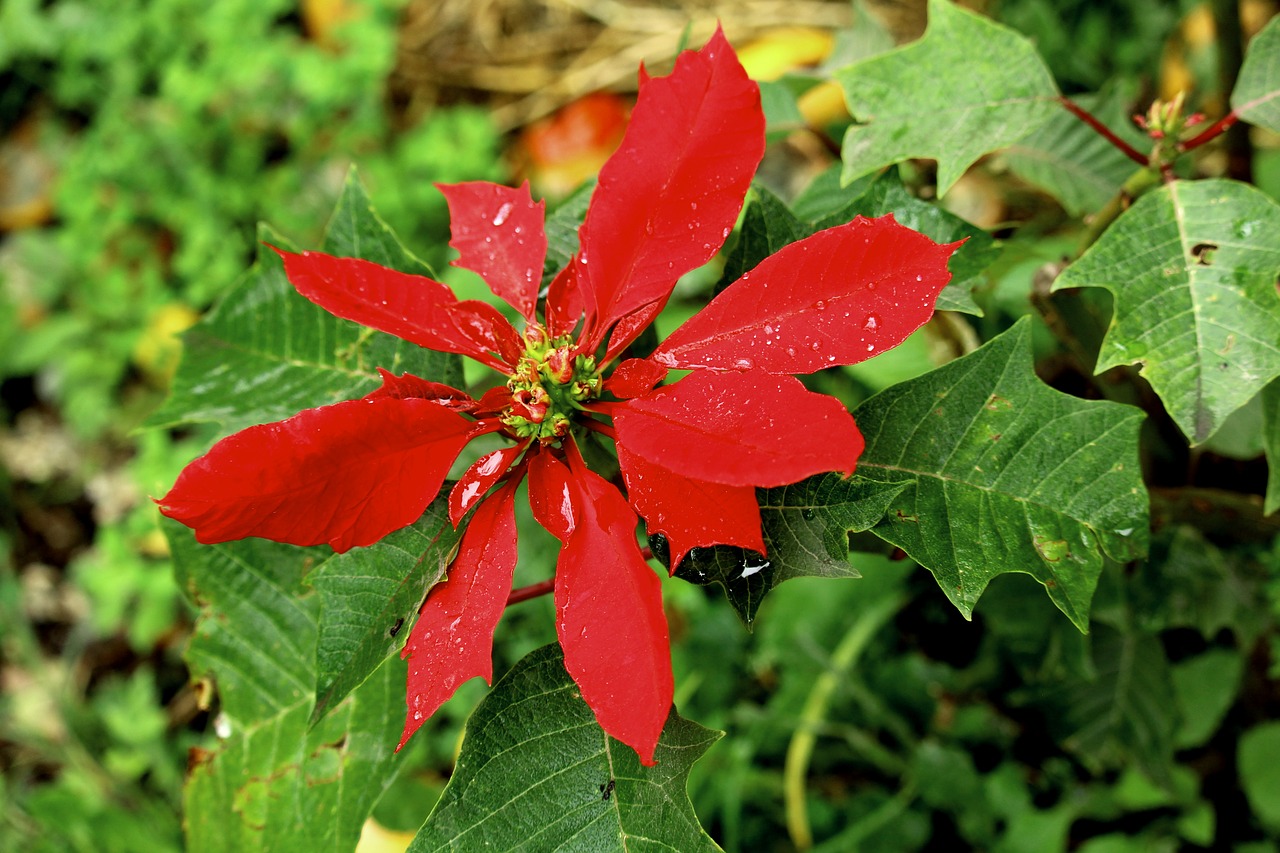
(691, 453)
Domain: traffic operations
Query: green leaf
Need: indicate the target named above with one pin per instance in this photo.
(1007, 475)
(1258, 757)
(265, 353)
(806, 530)
(888, 195)
(767, 226)
(562, 230)
(1207, 686)
(536, 772)
(969, 86)
(1271, 444)
(369, 598)
(1192, 267)
(1256, 97)
(272, 784)
(1074, 163)
(1129, 712)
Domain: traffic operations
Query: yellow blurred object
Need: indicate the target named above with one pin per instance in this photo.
(157, 350)
(823, 104)
(26, 178)
(376, 838)
(320, 17)
(785, 49)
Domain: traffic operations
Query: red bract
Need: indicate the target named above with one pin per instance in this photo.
(691, 453)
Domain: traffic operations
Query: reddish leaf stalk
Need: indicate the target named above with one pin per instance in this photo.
(533, 590)
(1105, 132)
(1211, 132)
(600, 427)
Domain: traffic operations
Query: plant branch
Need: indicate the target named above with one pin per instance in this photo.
(533, 590)
(1105, 132)
(1211, 132)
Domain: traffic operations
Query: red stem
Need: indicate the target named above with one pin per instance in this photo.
(533, 590)
(1212, 131)
(600, 427)
(1105, 132)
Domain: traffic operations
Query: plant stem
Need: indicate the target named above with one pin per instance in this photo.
(814, 712)
(1105, 132)
(533, 590)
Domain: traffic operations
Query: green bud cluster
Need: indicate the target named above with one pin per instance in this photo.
(549, 384)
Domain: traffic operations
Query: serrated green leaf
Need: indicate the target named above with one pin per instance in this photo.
(806, 530)
(1192, 267)
(536, 772)
(272, 784)
(1271, 444)
(1074, 163)
(1129, 712)
(1256, 96)
(369, 598)
(969, 86)
(888, 195)
(1008, 476)
(265, 353)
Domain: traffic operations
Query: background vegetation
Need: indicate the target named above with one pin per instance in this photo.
(141, 141)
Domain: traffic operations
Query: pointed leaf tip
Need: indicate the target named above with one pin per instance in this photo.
(343, 475)
(499, 234)
(836, 298)
(452, 641)
(609, 618)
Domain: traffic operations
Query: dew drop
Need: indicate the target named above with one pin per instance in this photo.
(815, 346)
(872, 322)
(820, 305)
(503, 213)
(417, 715)
(919, 278)
(768, 330)
(744, 364)
(871, 347)
(693, 205)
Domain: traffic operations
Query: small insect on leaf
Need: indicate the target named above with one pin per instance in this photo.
(606, 790)
(395, 629)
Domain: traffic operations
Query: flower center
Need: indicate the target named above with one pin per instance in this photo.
(549, 384)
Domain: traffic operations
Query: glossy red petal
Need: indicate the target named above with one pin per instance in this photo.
(551, 495)
(479, 478)
(740, 429)
(565, 301)
(691, 513)
(634, 377)
(498, 233)
(406, 386)
(609, 619)
(346, 474)
(418, 309)
(630, 327)
(452, 641)
(669, 196)
(838, 297)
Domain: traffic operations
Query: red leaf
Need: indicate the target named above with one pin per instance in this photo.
(669, 196)
(406, 386)
(838, 297)
(452, 641)
(498, 233)
(630, 327)
(564, 301)
(610, 620)
(479, 478)
(691, 513)
(740, 429)
(346, 474)
(551, 495)
(413, 307)
(634, 377)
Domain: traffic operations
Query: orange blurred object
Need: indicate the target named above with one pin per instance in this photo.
(558, 153)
